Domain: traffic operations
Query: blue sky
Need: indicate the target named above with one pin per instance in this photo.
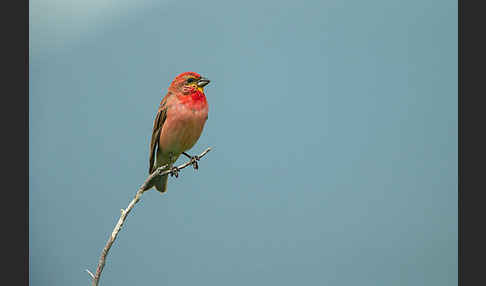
(334, 134)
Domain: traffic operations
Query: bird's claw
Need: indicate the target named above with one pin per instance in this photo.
(194, 162)
(174, 171)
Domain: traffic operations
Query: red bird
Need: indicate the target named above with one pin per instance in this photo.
(178, 124)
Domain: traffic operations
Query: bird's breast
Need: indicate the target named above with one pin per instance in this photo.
(182, 128)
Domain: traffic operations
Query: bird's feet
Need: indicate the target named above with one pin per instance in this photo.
(174, 171)
(193, 161)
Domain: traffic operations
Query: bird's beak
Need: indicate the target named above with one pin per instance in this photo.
(202, 82)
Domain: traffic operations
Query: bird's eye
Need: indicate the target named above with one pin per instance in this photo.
(191, 79)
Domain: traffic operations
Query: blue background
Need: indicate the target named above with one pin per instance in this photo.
(333, 123)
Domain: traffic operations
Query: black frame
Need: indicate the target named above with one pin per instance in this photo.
(15, 117)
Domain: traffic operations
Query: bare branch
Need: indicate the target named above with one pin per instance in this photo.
(149, 183)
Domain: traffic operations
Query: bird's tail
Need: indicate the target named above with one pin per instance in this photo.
(160, 183)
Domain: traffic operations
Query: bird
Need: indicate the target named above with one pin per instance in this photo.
(178, 124)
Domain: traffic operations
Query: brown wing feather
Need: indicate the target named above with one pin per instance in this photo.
(158, 123)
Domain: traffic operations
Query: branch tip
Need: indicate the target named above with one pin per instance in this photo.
(90, 274)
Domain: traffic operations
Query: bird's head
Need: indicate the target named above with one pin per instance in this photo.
(188, 83)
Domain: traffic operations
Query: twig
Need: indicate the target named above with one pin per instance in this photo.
(90, 274)
(124, 212)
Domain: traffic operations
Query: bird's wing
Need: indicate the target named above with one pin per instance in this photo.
(158, 123)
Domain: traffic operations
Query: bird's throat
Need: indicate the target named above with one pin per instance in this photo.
(195, 100)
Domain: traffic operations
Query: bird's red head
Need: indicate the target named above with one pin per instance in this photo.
(188, 83)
